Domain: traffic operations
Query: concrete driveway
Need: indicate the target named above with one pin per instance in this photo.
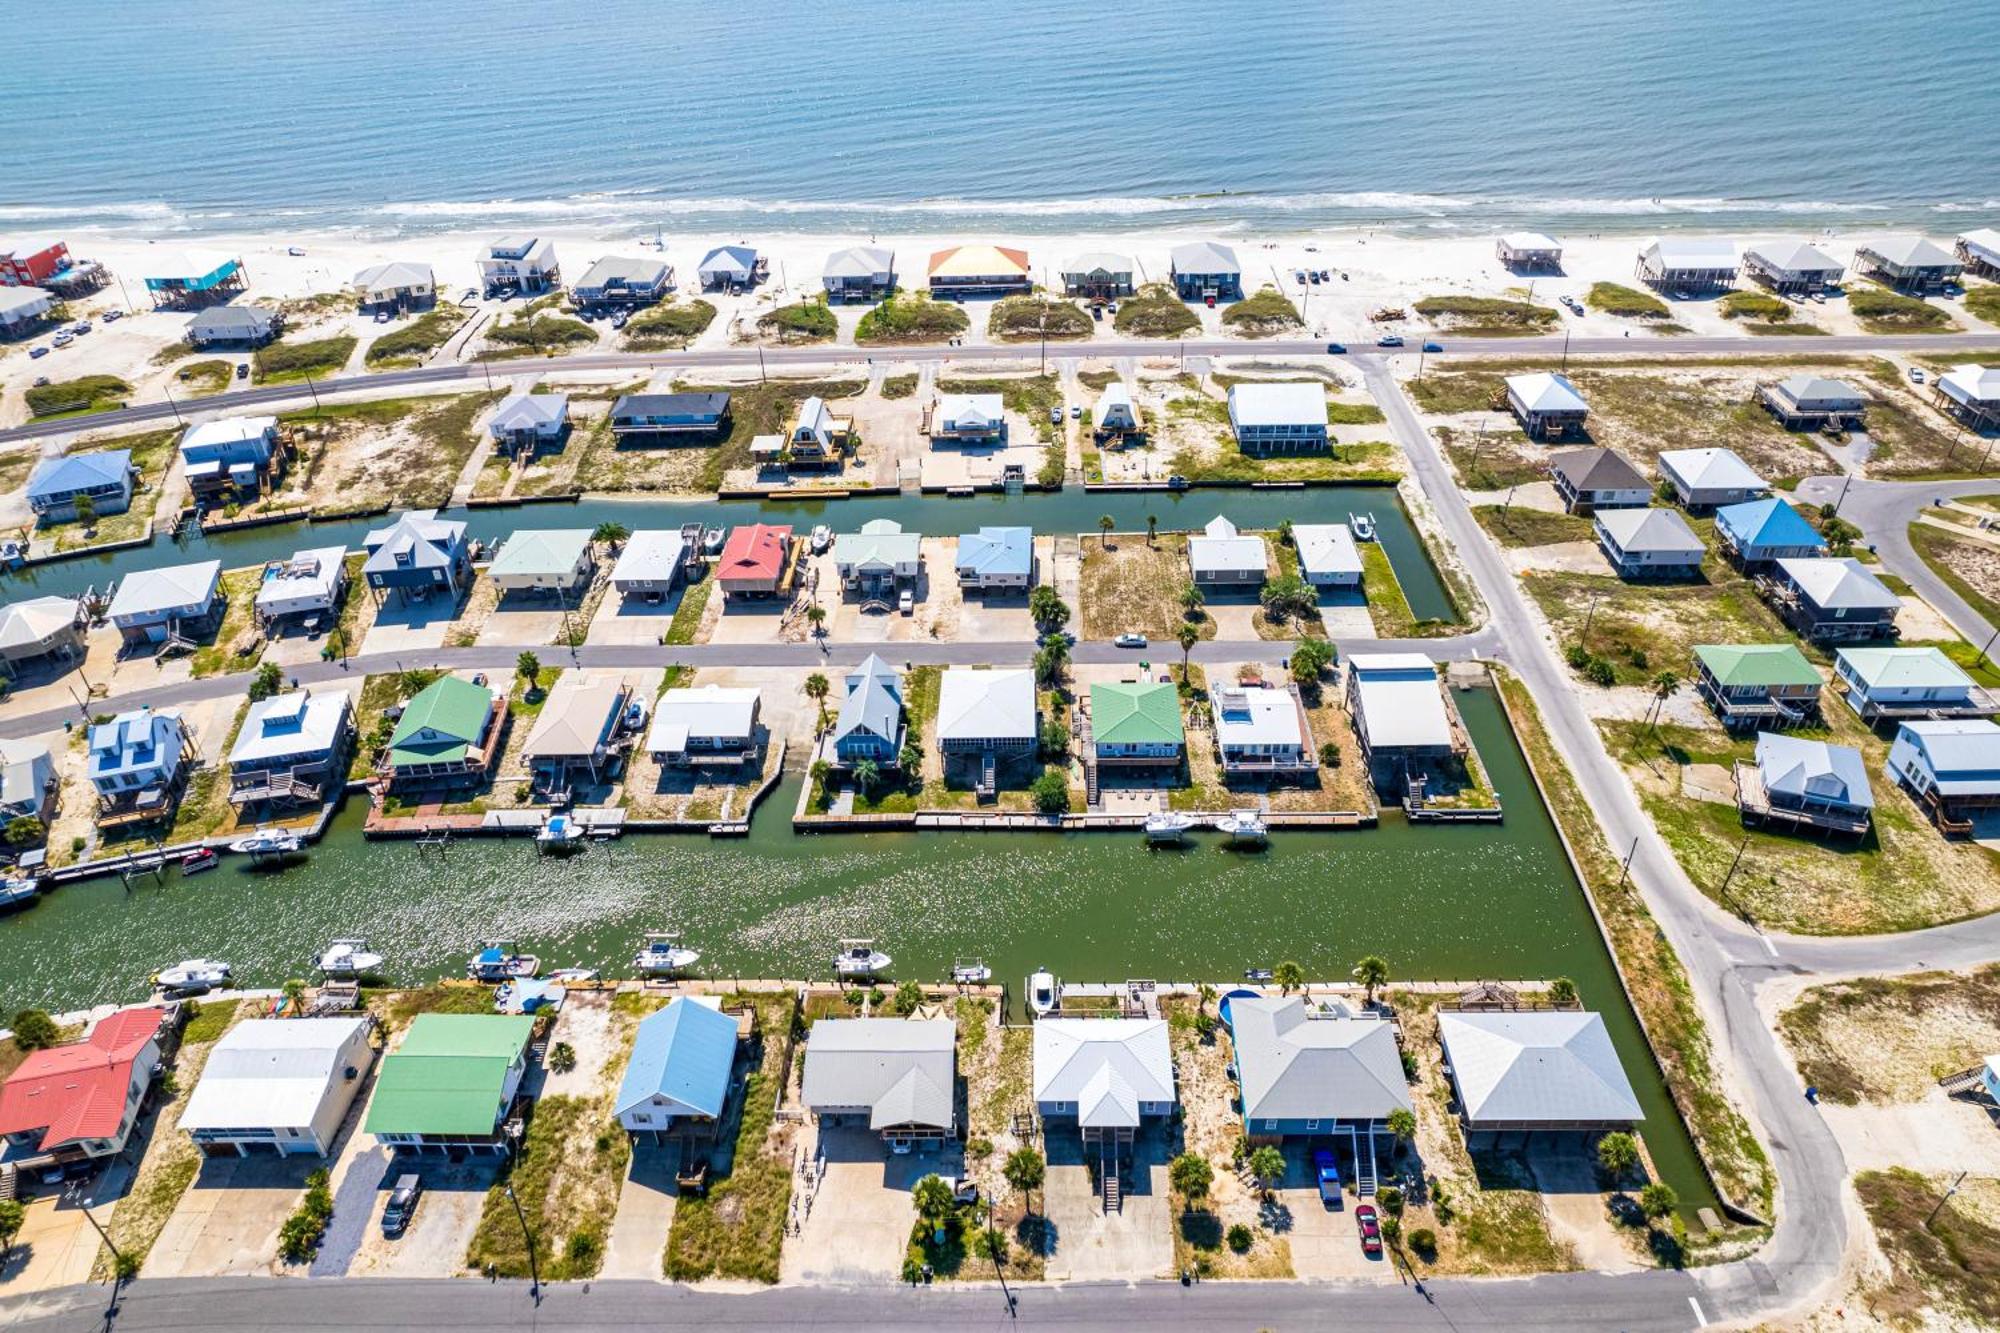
(1088, 1244)
(633, 620)
(646, 1203)
(402, 628)
(857, 1228)
(1325, 1242)
(227, 1223)
(434, 1245)
(55, 1248)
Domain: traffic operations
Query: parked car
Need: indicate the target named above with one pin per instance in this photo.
(1130, 641)
(907, 602)
(402, 1204)
(635, 715)
(1336, 349)
(1076, 411)
(1328, 1172)
(63, 339)
(1433, 347)
(112, 316)
(37, 350)
(1055, 416)
(41, 382)
(81, 326)
(242, 370)
(1916, 375)
(1371, 1230)
(1390, 340)
(1112, 308)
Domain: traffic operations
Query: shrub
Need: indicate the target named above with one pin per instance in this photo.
(86, 391)
(1617, 1153)
(911, 318)
(1191, 1174)
(321, 356)
(34, 1030)
(1391, 1200)
(1268, 311)
(1425, 1242)
(808, 321)
(1028, 318)
(1577, 656)
(1240, 1238)
(270, 678)
(417, 337)
(1156, 312)
(675, 323)
(1614, 299)
(1051, 792)
(1599, 672)
(301, 1233)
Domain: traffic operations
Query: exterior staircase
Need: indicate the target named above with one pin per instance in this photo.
(989, 773)
(1107, 1173)
(1364, 1168)
(1964, 1081)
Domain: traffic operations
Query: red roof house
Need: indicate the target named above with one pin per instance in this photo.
(753, 560)
(27, 263)
(86, 1094)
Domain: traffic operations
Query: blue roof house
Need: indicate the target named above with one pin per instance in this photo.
(997, 560)
(107, 478)
(871, 717)
(1761, 531)
(417, 554)
(679, 1074)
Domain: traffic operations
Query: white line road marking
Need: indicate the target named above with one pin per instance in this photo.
(1769, 947)
(1700, 1319)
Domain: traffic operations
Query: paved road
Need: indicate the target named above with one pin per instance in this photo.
(1884, 510)
(1098, 349)
(1586, 1303)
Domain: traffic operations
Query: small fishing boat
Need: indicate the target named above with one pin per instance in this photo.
(822, 537)
(1242, 826)
(970, 972)
(1042, 993)
(558, 833)
(15, 892)
(1171, 826)
(1362, 525)
(571, 976)
(1256, 974)
(192, 976)
(662, 955)
(200, 859)
(347, 958)
(711, 540)
(859, 960)
(498, 961)
(268, 842)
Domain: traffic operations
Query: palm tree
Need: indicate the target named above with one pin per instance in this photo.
(1267, 1165)
(86, 512)
(932, 1197)
(1152, 528)
(816, 615)
(1204, 997)
(1562, 992)
(816, 688)
(1664, 686)
(611, 534)
(1105, 525)
(1025, 1171)
(1371, 972)
(1189, 635)
(1403, 1124)
(1191, 600)
(866, 773)
(1289, 976)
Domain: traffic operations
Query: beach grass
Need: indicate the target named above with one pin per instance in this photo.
(285, 362)
(86, 393)
(1942, 1250)
(1374, 461)
(1487, 316)
(566, 1180)
(205, 377)
(1983, 302)
(1757, 306)
(1883, 311)
(1031, 318)
(537, 333)
(804, 322)
(910, 317)
(1154, 312)
(1521, 526)
(899, 386)
(1887, 1040)
(1131, 586)
(1615, 299)
(409, 343)
(1264, 314)
(671, 324)
(1449, 392)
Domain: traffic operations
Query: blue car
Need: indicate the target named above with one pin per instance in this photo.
(1329, 1177)
(1433, 347)
(1335, 349)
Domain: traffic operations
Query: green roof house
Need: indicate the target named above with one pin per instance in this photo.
(1135, 723)
(1757, 684)
(450, 1083)
(449, 732)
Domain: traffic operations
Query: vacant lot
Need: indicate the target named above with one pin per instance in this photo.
(1889, 1039)
(1944, 1254)
(1971, 567)
(402, 453)
(1642, 629)
(1486, 316)
(1131, 586)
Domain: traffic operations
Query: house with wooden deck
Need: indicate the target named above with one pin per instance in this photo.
(452, 1085)
(1529, 252)
(1102, 1078)
(106, 478)
(1649, 543)
(1286, 418)
(870, 724)
(1796, 784)
(1971, 393)
(575, 736)
(732, 268)
(527, 422)
(755, 560)
(968, 419)
(448, 733)
(229, 459)
(1761, 532)
(292, 749)
(520, 262)
(986, 718)
(859, 273)
(400, 285)
(1116, 415)
(1814, 402)
(1206, 271)
(1908, 263)
(896, 1076)
(1834, 600)
(1758, 684)
(175, 605)
(1919, 682)
(28, 781)
(617, 282)
(878, 560)
(1588, 480)
(1951, 766)
(1792, 267)
(654, 418)
(240, 326)
(1547, 405)
(1706, 478)
(1688, 265)
(1399, 710)
(24, 311)
(41, 632)
(1098, 275)
(188, 279)
(1979, 251)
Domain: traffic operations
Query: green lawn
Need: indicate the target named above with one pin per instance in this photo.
(1370, 462)
(1520, 526)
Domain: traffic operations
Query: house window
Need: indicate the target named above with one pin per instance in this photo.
(1270, 1124)
(1312, 1124)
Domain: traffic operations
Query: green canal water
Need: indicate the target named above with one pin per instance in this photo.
(1070, 510)
(1437, 902)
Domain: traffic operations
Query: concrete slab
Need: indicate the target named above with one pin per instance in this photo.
(633, 620)
(856, 1220)
(409, 627)
(646, 1202)
(227, 1222)
(1325, 1242)
(1089, 1244)
(55, 1247)
(523, 620)
(435, 1242)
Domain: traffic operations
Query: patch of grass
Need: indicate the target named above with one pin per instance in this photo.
(566, 1179)
(1889, 1039)
(1883, 311)
(1487, 316)
(152, 454)
(86, 393)
(1031, 318)
(807, 321)
(205, 377)
(1643, 629)
(539, 333)
(1263, 314)
(899, 386)
(1388, 607)
(1938, 1252)
(1793, 330)
(669, 324)
(1353, 414)
(207, 1022)
(1656, 982)
(1948, 556)
(1519, 526)
(687, 616)
(410, 342)
(1131, 587)
(238, 590)
(910, 317)
(396, 1009)
(1450, 391)
(1154, 312)
(1983, 303)
(1614, 299)
(762, 409)
(282, 362)
(1491, 461)
(1374, 461)
(1755, 305)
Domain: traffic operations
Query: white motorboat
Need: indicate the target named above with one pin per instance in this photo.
(711, 541)
(822, 537)
(1242, 826)
(192, 976)
(970, 972)
(1171, 826)
(347, 958)
(558, 832)
(498, 961)
(573, 975)
(1362, 525)
(16, 892)
(1042, 993)
(269, 841)
(662, 955)
(859, 960)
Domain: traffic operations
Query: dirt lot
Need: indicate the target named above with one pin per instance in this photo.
(1885, 1040)
(1132, 586)
(398, 453)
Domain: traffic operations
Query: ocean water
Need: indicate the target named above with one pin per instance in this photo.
(1277, 117)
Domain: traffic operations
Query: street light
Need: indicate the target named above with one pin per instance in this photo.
(534, 1267)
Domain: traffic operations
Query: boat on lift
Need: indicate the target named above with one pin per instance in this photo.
(267, 841)
(192, 976)
(970, 972)
(497, 960)
(1362, 525)
(1243, 827)
(16, 892)
(662, 955)
(1169, 826)
(822, 537)
(1042, 993)
(859, 960)
(1256, 974)
(558, 833)
(347, 958)
(711, 541)
(200, 859)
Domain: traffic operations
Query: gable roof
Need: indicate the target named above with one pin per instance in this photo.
(1097, 261)
(79, 472)
(976, 704)
(77, 1090)
(581, 712)
(1598, 470)
(145, 591)
(26, 770)
(1662, 530)
(1904, 668)
(997, 551)
(1911, 252)
(1546, 392)
(224, 431)
(978, 261)
(971, 409)
(1964, 753)
(860, 261)
(234, 320)
(1838, 582)
(1205, 257)
(1756, 664)
(1220, 546)
(534, 551)
(683, 1052)
(902, 1069)
(271, 1073)
(1710, 469)
(1296, 1064)
(1807, 769)
(1529, 240)
(395, 273)
(1135, 713)
(1541, 1064)
(449, 1075)
(455, 709)
(1109, 1067)
(1768, 522)
(874, 702)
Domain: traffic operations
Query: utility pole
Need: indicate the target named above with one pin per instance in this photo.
(1980, 660)
(999, 1273)
(1943, 1200)
(75, 1194)
(313, 389)
(1566, 332)
(534, 1265)
(1842, 499)
(1591, 614)
(1723, 890)
(761, 377)
(174, 405)
(1626, 873)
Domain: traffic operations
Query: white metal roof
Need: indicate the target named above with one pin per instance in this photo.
(1326, 548)
(1292, 403)
(530, 411)
(18, 301)
(1107, 1066)
(1635, 530)
(1545, 1064)
(1307, 1064)
(1794, 256)
(1247, 716)
(270, 1073)
(1221, 547)
(311, 573)
(26, 624)
(579, 712)
(227, 430)
(1963, 753)
(970, 409)
(1201, 257)
(1911, 252)
(144, 591)
(1972, 383)
(1983, 242)
(712, 712)
(300, 722)
(396, 274)
(1546, 392)
(650, 555)
(1693, 252)
(1097, 261)
(1530, 240)
(976, 705)
(1838, 582)
(860, 261)
(1710, 470)
(1400, 699)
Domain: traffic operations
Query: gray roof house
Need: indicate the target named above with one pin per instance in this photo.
(879, 556)
(1592, 479)
(398, 285)
(106, 476)
(1115, 413)
(898, 1076)
(417, 554)
(1109, 1075)
(289, 746)
(1206, 271)
(1951, 766)
(1649, 543)
(1536, 1069)
(1834, 599)
(870, 725)
(613, 280)
(234, 326)
(1791, 266)
(40, 630)
(996, 559)
(27, 778)
(732, 266)
(651, 563)
(1221, 556)
(1908, 263)
(1704, 478)
(1684, 265)
(1547, 404)
(1794, 782)
(985, 716)
(1288, 418)
(1809, 402)
(528, 420)
(647, 414)
(1307, 1070)
(860, 273)
(1098, 274)
(152, 605)
(1972, 394)
(307, 585)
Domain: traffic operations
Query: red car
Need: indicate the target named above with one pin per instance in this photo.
(1371, 1230)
